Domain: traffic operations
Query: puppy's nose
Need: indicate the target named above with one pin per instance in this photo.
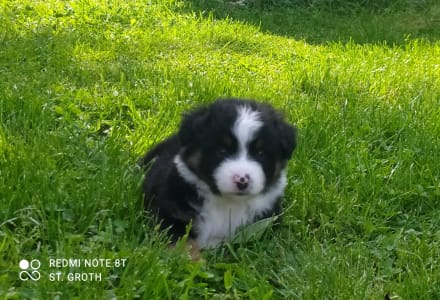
(241, 181)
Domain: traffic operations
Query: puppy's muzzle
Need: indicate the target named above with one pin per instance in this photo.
(241, 181)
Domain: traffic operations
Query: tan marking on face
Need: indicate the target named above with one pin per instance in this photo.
(227, 141)
(193, 160)
(279, 166)
(259, 145)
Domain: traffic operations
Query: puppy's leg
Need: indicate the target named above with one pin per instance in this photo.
(194, 249)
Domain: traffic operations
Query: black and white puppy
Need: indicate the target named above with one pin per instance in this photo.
(225, 168)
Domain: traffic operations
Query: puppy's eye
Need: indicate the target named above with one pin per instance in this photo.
(222, 151)
(258, 148)
(260, 153)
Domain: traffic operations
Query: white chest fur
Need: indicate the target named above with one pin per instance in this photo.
(220, 217)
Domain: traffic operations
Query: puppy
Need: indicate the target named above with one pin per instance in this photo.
(224, 168)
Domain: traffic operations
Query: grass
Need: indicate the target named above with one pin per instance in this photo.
(86, 87)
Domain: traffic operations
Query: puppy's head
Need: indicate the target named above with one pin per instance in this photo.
(236, 147)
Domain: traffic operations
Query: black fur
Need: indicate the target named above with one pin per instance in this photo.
(203, 141)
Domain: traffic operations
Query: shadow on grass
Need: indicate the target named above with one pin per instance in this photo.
(320, 26)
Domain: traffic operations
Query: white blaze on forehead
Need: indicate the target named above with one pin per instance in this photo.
(247, 124)
(245, 128)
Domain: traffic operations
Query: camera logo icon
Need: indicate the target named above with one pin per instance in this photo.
(29, 270)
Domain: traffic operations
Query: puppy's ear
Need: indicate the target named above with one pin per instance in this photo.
(288, 138)
(192, 125)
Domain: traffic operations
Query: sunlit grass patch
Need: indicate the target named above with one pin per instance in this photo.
(88, 86)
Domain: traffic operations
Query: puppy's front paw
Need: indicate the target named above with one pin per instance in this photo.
(193, 249)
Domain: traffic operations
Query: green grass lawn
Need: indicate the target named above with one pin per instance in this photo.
(86, 87)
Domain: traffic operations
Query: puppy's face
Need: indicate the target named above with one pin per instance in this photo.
(236, 147)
